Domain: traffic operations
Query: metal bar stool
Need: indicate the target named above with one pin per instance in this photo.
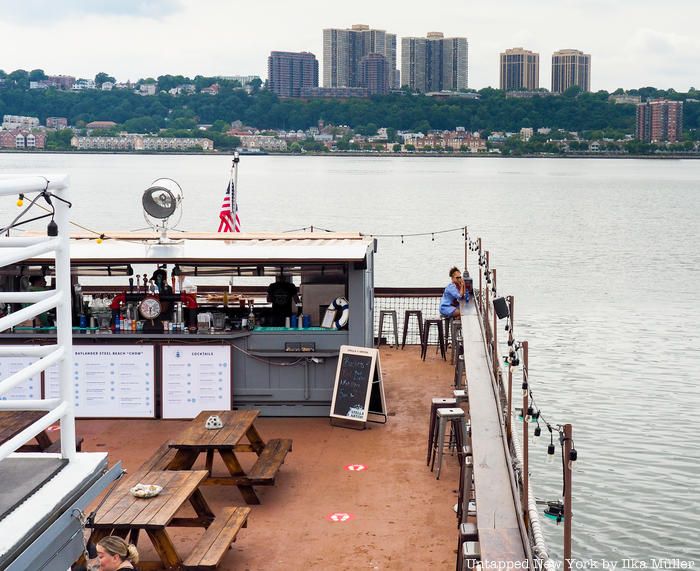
(406, 318)
(428, 323)
(455, 416)
(438, 402)
(460, 373)
(457, 344)
(467, 532)
(388, 313)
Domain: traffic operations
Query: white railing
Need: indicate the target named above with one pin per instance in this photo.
(17, 249)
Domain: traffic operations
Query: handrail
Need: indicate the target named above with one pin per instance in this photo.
(12, 250)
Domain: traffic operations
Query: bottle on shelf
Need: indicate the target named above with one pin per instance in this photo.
(251, 317)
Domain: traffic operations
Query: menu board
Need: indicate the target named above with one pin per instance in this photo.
(195, 378)
(358, 390)
(29, 389)
(109, 381)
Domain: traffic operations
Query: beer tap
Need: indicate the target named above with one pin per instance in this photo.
(131, 285)
(145, 284)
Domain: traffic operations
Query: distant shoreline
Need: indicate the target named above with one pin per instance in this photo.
(359, 154)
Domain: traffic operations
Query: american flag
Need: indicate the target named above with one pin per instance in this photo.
(229, 211)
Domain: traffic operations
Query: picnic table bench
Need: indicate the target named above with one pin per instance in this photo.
(228, 441)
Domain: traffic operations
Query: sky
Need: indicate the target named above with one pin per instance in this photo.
(633, 43)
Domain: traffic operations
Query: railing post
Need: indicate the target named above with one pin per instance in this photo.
(481, 287)
(64, 330)
(466, 249)
(511, 341)
(568, 474)
(487, 297)
(496, 364)
(526, 467)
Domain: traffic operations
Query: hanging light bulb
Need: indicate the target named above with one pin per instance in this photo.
(550, 448)
(524, 387)
(536, 433)
(20, 200)
(100, 238)
(573, 456)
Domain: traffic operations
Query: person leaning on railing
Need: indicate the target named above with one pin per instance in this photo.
(455, 292)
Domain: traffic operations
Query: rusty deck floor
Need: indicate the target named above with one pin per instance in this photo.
(401, 516)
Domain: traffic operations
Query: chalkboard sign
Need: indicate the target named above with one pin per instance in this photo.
(358, 391)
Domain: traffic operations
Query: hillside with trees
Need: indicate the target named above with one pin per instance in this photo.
(179, 114)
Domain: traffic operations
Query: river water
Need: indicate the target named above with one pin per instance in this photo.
(602, 257)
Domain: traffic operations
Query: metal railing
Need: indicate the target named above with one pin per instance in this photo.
(14, 249)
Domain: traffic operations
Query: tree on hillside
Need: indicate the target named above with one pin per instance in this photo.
(101, 77)
(37, 75)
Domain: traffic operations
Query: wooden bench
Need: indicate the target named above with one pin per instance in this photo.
(54, 447)
(159, 460)
(269, 462)
(212, 546)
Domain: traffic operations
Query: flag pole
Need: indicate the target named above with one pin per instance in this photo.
(234, 189)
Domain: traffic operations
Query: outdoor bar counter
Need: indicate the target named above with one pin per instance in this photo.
(281, 371)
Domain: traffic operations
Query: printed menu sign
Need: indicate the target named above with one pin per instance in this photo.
(29, 389)
(195, 378)
(109, 381)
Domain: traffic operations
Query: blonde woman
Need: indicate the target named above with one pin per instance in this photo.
(114, 553)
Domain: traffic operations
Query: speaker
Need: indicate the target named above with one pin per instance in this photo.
(500, 306)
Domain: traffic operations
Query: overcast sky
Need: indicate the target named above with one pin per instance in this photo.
(633, 43)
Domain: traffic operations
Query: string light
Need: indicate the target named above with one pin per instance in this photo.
(100, 238)
(20, 201)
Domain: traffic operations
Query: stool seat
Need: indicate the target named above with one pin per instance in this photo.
(392, 314)
(456, 417)
(427, 324)
(437, 402)
(418, 314)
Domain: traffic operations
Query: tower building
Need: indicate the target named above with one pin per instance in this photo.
(569, 68)
(290, 72)
(434, 63)
(343, 51)
(520, 70)
(660, 120)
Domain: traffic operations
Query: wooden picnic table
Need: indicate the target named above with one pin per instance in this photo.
(228, 441)
(12, 422)
(126, 515)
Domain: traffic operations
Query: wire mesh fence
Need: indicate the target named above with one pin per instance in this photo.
(426, 301)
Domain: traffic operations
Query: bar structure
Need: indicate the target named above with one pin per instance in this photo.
(205, 343)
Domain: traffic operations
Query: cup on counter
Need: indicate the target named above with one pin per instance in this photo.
(294, 321)
(287, 322)
(166, 326)
(306, 321)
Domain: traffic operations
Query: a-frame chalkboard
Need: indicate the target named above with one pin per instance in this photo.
(358, 393)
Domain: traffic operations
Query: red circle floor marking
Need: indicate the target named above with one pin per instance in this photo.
(340, 517)
(355, 467)
(54, 428)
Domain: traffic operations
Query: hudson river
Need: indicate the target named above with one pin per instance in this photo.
(602, 257)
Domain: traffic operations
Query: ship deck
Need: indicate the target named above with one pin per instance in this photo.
(401, 516)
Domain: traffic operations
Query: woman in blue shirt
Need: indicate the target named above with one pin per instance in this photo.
(455, 291)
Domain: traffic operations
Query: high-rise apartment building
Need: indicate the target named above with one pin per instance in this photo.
(569, 68)
(375, 74)
(660, 120)
(434, 63)
(343, 51)
(520, 69)
(289, 72)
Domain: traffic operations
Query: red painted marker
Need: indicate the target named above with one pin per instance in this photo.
(340, 517)
(355, 467)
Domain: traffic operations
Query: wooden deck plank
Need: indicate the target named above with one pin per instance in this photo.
(495, 507)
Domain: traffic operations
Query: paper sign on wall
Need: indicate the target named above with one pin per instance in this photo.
(29, 389)
(195, 378)
(109, 381)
